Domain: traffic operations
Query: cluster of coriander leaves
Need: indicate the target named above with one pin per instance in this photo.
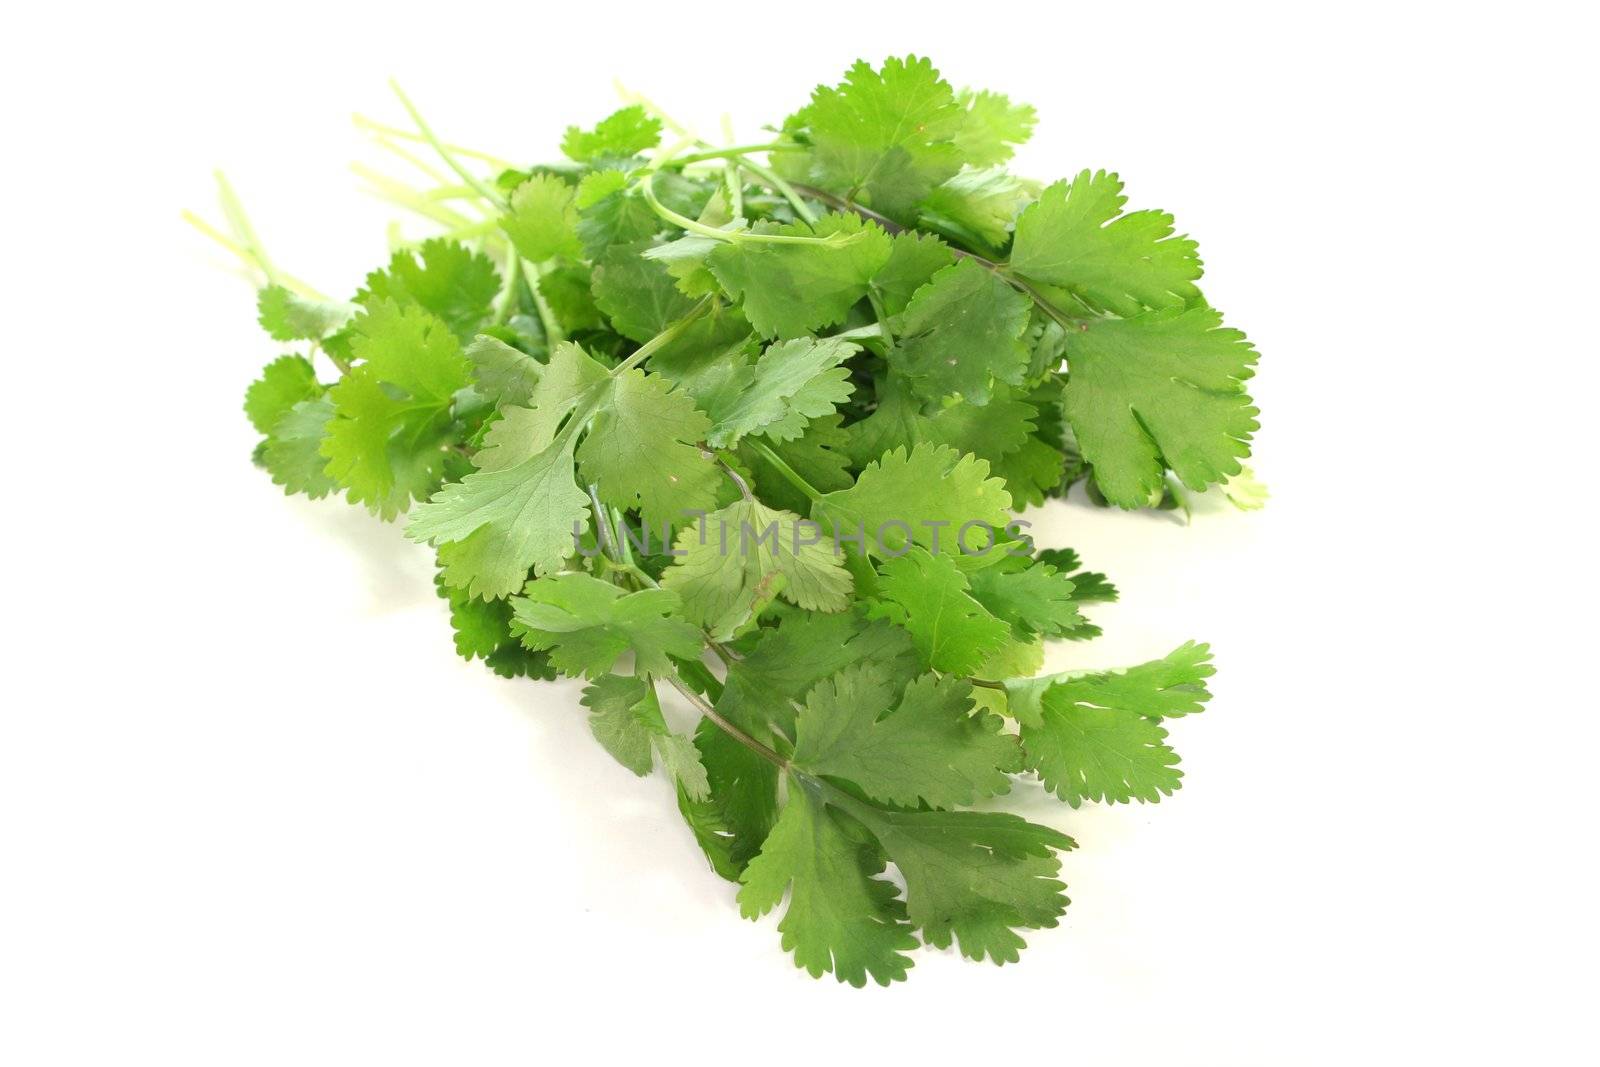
(862, 321)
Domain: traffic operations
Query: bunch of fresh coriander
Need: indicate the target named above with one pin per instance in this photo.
(753, 423)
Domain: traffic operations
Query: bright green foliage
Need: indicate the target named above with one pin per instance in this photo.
(743, 556)
(926, 749)
(792, 383)
(749, 428)
(285, 382)
(960, 332)
(928, 596)
(1160, 390)
(288, 316)
(621, 134)
(923, 496)
(585, 624)
(542, 221)
(1096, 736)
(453, 283)
(626, 719)
(791, 289)
(392, 412)
(1073, 237)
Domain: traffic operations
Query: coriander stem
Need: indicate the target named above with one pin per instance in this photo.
(373, 126)
(789, 473)
(288, 281)
(684, 222)
(664, 338)
(444, 151)
(723, 153)
(508, 290)
(704, 707)
(881, 315)
(727, 468)
(553, 334)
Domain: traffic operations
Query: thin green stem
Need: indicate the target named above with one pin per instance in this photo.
(723, 153)
(738, 479)
(243, 232)
(704, 707)
(881, 315)
(785, 189)
(664, 338)
(789, 474)
(373, 126)
(553, 334)
(647, 187)
(444, 151)
(508, 290)
(288, 281)
(402, 195)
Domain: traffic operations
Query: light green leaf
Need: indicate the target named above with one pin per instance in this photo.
(587, 624)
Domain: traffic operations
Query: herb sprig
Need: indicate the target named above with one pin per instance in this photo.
(731, 419)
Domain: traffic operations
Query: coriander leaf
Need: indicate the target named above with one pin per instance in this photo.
(610, 212)
(1068, 238)
(1165, 388)
(625, 716)
(521, 506)
(962, 330)
(928, 596)
(288, 316)
(818, 456)
(976, 876)
(637, 294)
(743, 555)
(293, 452)
(542, 220)
(505, 375)
(1082, 752)
(763, 687)
(566, 290)
(792, 289)
(483, 631)
(1032, 597)
(640, 453)
(841, 917)
(792, 383)
(914, 258)
(1087, 586)
(977, 207)
(993, 124)
(452, 282)
(883, 138)
(392, 411)
(623, 133)
(932, 491)
(284, 382)
(930, 749)
(586, 624)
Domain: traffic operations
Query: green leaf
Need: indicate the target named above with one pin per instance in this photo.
(623, 133)
(293, 455)
(625, 716)
(1033, 597)
(637, 294)
(914, 258)
(505, 375)
(611, 212)
(392, 411)
(842, 918)
(542, 221)
(977, 207)
(929, 749)
(483, 631)
(992, 126)
(284, 382)
(793, 382)
(288, 316)
(640, 451)
(928, 596)
(1072, 237)
(451, 281)
(975, 876)
(962, 331)
(925, 496)
(587, 624)
(745, 554)
(883, 138)
(792, 289)
(1161, 390)
(1088, 587)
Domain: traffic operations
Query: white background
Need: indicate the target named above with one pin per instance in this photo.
(253, 810)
